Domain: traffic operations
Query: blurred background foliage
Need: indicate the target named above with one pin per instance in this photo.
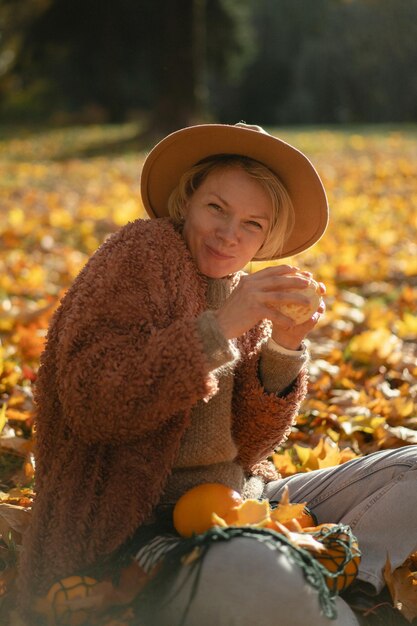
(169, 63)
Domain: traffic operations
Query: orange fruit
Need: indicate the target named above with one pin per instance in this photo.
(194, 510)
(341, 551)
(63, 593)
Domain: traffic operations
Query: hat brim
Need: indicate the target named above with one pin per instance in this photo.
(179, 151)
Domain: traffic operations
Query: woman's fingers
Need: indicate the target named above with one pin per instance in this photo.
(278, 269)
(276, 280)
(281, 294)
(322, 307)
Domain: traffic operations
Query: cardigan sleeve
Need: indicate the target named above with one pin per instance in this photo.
(126, 361)
(278, 370)
(262, 420)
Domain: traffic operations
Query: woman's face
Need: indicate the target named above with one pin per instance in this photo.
(226, 221)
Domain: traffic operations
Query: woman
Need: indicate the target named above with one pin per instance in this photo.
(167, 367)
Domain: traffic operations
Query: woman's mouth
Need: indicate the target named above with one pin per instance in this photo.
(217, 254)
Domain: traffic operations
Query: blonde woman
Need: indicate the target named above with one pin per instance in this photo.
(166, 366)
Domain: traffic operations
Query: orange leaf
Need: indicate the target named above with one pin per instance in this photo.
(402, 585)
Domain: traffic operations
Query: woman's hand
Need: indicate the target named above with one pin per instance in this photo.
(292, 336)
(259, 296)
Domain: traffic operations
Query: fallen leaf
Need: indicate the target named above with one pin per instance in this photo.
(16, 518)
(402, 585)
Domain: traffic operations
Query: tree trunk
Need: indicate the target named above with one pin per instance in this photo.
(180, 68)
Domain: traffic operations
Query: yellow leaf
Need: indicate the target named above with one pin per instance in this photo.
(380, 345)
(361, 423)
(403, 406)
(284, 463)
(307, 458)
(16, 217)
(3, 418)
(407, 327)
(327, 453)
(347, 454)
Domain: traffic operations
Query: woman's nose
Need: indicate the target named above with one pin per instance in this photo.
(228, 232)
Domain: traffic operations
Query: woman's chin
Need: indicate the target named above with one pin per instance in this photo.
(217, 270)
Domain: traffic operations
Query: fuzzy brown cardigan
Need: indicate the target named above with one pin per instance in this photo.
(123, 366)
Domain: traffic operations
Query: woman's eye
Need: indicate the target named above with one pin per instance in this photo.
(256, 225)
(216, 207)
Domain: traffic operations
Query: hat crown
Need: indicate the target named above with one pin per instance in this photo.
(259, 129)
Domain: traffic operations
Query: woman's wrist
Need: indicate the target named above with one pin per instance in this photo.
(287, 342)
(278, 347)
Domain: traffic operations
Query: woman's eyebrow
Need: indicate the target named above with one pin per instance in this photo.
(259, 217)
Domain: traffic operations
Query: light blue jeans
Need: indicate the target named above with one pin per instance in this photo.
(376, 495)
(243, 583)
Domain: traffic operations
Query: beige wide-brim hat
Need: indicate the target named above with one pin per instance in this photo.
(179, 151)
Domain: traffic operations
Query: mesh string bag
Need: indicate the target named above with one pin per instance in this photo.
(58, 605)
(341, 557)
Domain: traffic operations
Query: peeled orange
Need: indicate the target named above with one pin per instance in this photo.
(300, 313)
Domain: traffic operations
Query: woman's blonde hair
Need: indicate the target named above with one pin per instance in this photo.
(282, 222)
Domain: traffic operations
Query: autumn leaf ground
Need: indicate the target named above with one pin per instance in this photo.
(63, 190)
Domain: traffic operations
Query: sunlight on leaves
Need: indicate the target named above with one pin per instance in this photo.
(57, 208)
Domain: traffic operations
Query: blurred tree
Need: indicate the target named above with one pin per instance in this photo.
(177, 62)
(361, 67)
(330, 61)
(88, 52)
(198, 43)
(282, 28)
(15, 19)
(152, 55)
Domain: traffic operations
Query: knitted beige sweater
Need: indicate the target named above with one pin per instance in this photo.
(208, 452)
